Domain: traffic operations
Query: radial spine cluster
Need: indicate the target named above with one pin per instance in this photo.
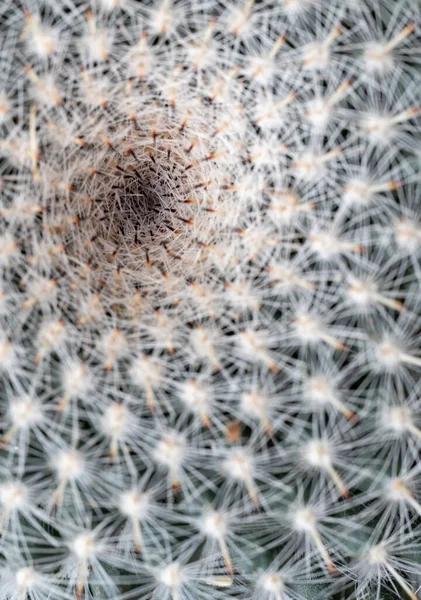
(210, 243)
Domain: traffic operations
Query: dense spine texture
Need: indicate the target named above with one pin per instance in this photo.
(210, 234)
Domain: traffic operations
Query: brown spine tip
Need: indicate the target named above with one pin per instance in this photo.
(353, 417)
(332, 569)
(206, 422)
(341, 346)
(233, 433)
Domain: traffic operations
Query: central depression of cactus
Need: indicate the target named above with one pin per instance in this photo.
(209, 248)
(146, 195)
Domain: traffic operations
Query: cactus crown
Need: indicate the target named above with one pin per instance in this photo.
(210, 239)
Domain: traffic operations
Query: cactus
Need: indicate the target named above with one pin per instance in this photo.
(210, 299)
